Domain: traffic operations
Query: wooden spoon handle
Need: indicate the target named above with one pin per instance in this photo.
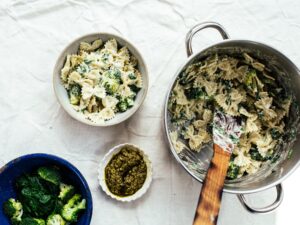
(212, 189)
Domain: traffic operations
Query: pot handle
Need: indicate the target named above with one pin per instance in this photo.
(199, 27)
(265, 209)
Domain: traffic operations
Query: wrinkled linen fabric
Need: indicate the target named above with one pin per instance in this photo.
(32, 35)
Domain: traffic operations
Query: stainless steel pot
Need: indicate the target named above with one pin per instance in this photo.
(271, 174)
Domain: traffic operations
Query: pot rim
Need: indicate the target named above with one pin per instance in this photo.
(167, 135)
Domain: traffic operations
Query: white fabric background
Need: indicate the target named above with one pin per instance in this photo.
(33, 33)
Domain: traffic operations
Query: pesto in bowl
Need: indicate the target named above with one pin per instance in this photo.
(125, 173)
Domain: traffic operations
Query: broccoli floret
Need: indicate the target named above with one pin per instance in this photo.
(252, 82)
(122, 106)
(14, 210)
(82, 68)
(32, 221)
(125, 103)
(115, 74)
(134, 88)
(249, 82)
(75, 89)
(74, 100)
(71, 210)
(74, 94)
(130, 102)
(55, 219)
(111, 85)
(49, 174)
(233, 171)
(66, 191)
(132, 76)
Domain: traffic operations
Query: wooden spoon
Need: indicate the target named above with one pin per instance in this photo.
(226, 133)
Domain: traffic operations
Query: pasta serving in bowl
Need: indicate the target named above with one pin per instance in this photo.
(100, 79)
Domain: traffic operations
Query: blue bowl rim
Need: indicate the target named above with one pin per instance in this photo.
(64, 163)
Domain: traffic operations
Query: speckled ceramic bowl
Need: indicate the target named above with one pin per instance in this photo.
(106, 160)
(62, 94)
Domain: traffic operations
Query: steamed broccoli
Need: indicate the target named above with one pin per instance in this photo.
(134, 88)
(49, 174)
(66, 191)
(32, 221)
(132, 76)
(122, 106)
(115, 74)
(130, 102)
(233, 171)
(249, 82)
(125, 104)
(252, 82)
(55, 219)
(74, 94)
(13, 209)
(111, 85)
(71, 210)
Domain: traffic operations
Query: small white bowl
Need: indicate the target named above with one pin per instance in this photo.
(62, 94)
(106, 160)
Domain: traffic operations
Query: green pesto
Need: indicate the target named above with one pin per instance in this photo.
(126, 172)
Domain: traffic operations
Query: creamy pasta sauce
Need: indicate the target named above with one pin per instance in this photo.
(239, 86)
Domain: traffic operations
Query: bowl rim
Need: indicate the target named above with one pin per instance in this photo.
(65, 163)
(84, 120)
(106, 159)
(187, 62)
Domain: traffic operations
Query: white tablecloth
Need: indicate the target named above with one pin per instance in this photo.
(32, 35)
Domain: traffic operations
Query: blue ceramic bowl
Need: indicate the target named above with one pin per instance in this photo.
(28, 163)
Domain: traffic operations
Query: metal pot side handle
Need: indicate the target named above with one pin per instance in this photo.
(265, 209)
(199, 27)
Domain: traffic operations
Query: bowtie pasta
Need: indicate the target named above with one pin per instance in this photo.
(101, 80)
(241, 87)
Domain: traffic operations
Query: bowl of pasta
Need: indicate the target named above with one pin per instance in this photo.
(245, 79)
(100, 79)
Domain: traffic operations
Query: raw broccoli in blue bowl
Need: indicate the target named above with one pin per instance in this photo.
(42, 189)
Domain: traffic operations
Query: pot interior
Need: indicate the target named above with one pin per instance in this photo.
(196, 163)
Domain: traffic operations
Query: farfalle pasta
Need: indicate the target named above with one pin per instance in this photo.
(240, 86)
(101, 80)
